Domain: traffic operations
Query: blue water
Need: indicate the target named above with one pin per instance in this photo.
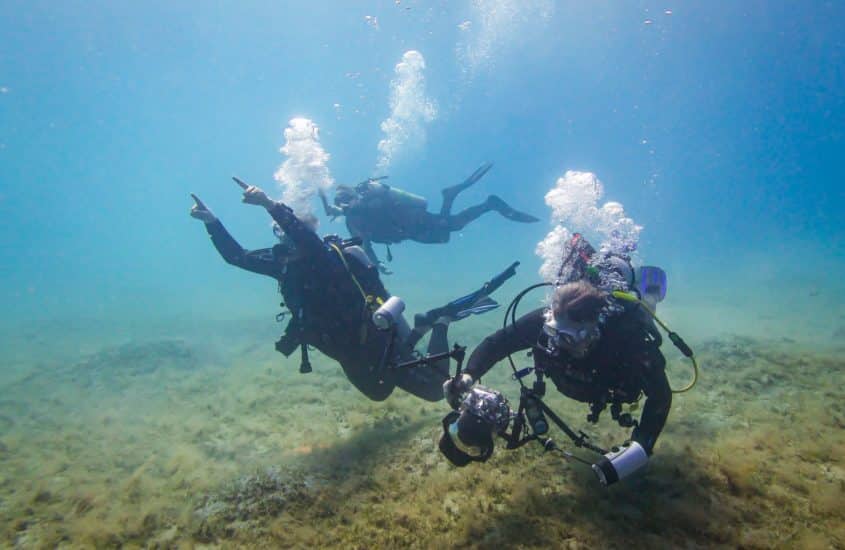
(717, 126)
(720, 126)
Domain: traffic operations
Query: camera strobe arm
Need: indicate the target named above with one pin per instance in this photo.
(580, 439)
(458, 353)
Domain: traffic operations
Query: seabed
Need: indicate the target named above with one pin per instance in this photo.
(190, 437)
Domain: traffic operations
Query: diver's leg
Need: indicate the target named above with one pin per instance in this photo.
(438, 342)
(506, 210)
(367, 381)
(450, 193)
(462, 218)
(430, 228)
(427, 382)
(493, 203)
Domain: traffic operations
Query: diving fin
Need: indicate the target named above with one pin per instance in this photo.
(481, 306)
(450, 193)
(496, 203)
(474, 303)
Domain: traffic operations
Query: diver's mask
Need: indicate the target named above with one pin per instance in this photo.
(574, 337)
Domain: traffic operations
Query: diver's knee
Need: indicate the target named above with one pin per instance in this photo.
(377, 394)
(431, 395)
(375, 390)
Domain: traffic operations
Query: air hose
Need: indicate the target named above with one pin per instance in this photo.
(673, 336)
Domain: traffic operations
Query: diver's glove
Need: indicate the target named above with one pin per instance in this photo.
(383, 269)
(201, 212)
(455, 388)
(620, 462)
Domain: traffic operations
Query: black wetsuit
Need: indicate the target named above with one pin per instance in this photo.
(625, 361)
(280, 262)
(387, 216)
(328, 309)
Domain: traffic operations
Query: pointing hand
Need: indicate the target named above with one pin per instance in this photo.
(201, 212)
(254, 195)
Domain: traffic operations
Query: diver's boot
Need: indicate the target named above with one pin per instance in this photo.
(450, 193)
(496, 203)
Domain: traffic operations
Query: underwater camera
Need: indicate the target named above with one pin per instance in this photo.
(468, 432)
(484, 413)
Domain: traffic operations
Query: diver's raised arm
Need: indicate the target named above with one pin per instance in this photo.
(201, 212)
(303, 237)
(257, 261)
(330, 209)
(254, 195)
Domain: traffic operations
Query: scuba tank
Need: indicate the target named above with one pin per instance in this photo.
(405, 199)
(392, 196)
(606, 270)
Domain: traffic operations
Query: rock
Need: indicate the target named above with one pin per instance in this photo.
(252, 497)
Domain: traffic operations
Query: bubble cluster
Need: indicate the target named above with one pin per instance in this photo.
(410, 109)
(305, 171)
(574, 201)
(496, 24)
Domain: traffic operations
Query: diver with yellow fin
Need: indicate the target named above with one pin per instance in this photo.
(379, 213)
(598, 344)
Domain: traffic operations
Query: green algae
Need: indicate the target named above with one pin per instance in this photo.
(245, 452)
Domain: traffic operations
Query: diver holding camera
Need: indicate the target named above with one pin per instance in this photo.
(599, 346)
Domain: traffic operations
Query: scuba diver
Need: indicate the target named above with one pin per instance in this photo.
(339, 305)
(377, 212)
(597, 342)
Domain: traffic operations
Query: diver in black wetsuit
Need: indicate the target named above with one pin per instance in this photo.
(590, 356)
(330, 287)
(379, 213)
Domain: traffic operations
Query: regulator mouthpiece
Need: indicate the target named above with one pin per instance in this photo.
(388, 315)
(620, 463)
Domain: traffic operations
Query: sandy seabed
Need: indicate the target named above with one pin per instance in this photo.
(201, 436)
